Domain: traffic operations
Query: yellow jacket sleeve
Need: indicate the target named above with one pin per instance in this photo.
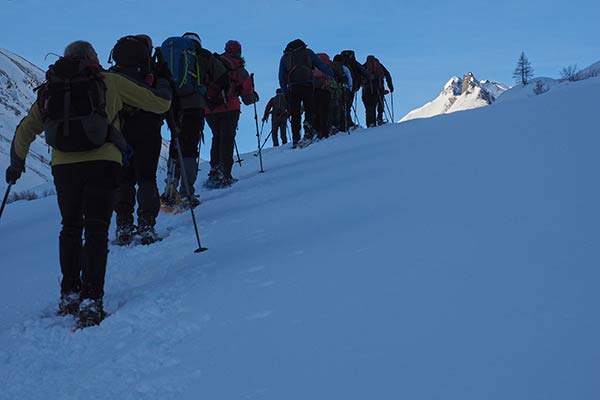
(27, 130)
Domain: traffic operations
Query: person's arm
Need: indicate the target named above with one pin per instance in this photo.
(268, 110)
(348, 75)
(320, 64)
(388, 78)
(29, 127)
(155, 100)
(247, 92)
(282, 77)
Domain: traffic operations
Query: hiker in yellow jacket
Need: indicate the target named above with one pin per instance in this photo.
(78, 108)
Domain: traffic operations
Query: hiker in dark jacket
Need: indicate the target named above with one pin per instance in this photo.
(278, 108)
(296, 80)
(190, 112)
(223, 114)
(322, 85)
(141, 129)
(359, 73)
(343, 77)
(373, 90)
(85, 180)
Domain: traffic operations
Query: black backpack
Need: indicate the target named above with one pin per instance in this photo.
(298, 62)
(72, 102)
(279, 105)
(133, 57)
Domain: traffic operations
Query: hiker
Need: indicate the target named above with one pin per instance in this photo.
(223, 114)
(133, 58)
(373, 90)
(296, 80)
(341, 110)
(359, 73)
(322, 85)
(278, 107)
(198, 75)
(88, 150)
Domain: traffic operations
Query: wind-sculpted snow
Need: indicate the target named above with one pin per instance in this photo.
(454, 257)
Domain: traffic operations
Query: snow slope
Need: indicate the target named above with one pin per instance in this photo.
(18, 78)
(399, 262)
(459, 95)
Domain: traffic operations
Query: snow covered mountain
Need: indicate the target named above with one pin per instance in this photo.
(398, 262)
(18, 78)
(459, 94)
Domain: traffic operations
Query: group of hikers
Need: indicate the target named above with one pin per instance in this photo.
(104, 127)
(324, 90)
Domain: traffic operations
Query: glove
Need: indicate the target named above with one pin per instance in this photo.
(13, 174)
(256, 97)
(163, 71)
(127, 155)
(265, 119)
(391, 89)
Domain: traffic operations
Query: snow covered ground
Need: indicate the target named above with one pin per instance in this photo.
(427, 260)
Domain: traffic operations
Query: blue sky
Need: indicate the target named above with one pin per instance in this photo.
(422, 43)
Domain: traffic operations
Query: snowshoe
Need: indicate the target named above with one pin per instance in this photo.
(91, 313)
(227, 181)
(148, 235)
(124, 234)
(68, 304)
(169, 203)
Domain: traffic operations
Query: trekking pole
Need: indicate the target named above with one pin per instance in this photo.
(5, 199)
(237, 152)
(257, 131)
(354, 109)
(175, 130)
(392, 96)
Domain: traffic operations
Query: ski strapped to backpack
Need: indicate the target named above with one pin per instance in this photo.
(182, 58)
(73, 106)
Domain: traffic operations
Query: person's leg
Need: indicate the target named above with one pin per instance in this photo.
(308, 100)
(191, 128)
(283, 129)
(295, 106)
(274, 127)
(229, 122)
(146, 164)
(100, 182)
(69, 193)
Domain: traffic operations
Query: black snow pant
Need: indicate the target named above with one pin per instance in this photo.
(223, 126)
(279, 126)
(192, 127)
(372, 100)
(321, 120)
(142, 132)
(300, 95)
(86, 194)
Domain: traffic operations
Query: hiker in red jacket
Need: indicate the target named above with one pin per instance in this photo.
(223, 114)
(278, 107)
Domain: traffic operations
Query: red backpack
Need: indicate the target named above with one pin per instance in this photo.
(374, 66)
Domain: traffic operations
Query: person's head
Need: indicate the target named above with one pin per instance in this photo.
(338, 58)
(279, 91)
(81, 50)
(194, 37)
(234, 48)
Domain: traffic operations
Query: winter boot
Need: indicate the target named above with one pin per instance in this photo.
(215, 176)
(146, 231)
(187, 202)
(124, 234)
(91, 312)
(69, 304)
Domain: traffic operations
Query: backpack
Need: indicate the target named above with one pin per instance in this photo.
(133, 57)
(181, 57)
(298, 63)
(320, 79)
(374, 66)
(72, 103)
(338, 72)
(279, 105)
